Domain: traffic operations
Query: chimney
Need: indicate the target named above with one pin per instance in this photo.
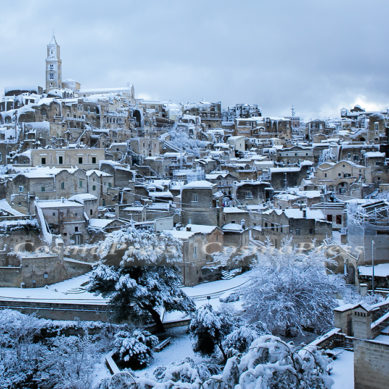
(243, 224)
(305, 213)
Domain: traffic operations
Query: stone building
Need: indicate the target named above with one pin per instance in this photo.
(44, 183)
(83, 158)
(375, 161)
(303, 225)
(236, 235)
(99, 184)
(285, 177)
(238, 143)
(210, 113)
(264, 127)
(199, 242)
(63, 217)
(334, 212)
(295, 155)
(122, 175)
(368, 328)
(354, 152)
(343, 177)
(234, 215)
(295, 198)
(144, 147)
(223, 181)
(197, 203)
(252, 192)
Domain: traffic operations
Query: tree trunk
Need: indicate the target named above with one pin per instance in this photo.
(223, 353)
(155, 315)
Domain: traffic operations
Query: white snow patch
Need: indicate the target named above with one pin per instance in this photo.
(343, 370)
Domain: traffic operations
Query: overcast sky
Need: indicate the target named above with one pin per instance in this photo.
(316, 55)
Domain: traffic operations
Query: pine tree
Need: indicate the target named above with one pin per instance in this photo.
(145, 282)
(209, 328)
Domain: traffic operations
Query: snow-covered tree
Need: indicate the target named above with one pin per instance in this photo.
(209, 328)
(327, 155)
(272, 363)
(239, 340)
(32, 355)
(184, 374)
(267, 363)
(290, 290)
(145, 281)
(182, 141)
(134, 349)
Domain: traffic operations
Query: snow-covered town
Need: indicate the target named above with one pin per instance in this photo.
(167, 244)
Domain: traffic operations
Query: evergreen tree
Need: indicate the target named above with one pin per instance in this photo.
(145, 282)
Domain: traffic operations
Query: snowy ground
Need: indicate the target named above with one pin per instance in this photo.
(179, 348)
(343, 370)
(74, 289)
(66, 290)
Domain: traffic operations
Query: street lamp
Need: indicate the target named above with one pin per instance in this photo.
(372, 265)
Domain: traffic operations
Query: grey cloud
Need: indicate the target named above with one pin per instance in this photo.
(315, 55)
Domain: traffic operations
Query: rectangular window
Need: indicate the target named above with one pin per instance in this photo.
(94, 187)
(329, 218)
(194, 252)
(76, 229)
(80, 160)
(109, 185)
(43, 189)
(21, 189)
(62, 185)
(195, 198)
(93, 159)
(338, 219)
(298, 231)
(43, 161)
(60, 160)
(80, 183)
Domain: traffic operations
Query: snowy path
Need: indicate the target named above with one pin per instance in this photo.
(180, 348)
(343, 370)
(216, 288)
(72, 290)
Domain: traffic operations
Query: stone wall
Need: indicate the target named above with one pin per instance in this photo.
(41, 270)
(10, 276)
(371, 367)
(60, 310)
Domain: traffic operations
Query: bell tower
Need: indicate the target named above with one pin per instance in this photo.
(53, 66)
